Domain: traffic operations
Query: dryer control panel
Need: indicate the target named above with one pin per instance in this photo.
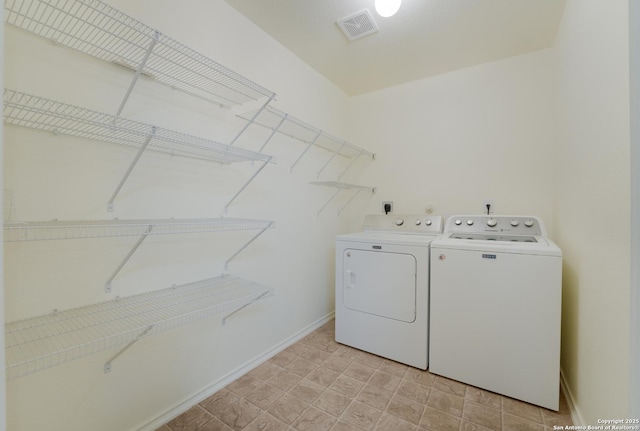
(403, 223)
(504, 224)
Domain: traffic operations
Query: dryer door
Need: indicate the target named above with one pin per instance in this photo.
(380, 283)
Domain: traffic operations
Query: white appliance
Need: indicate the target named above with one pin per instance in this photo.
(495, 307)
(382, 287)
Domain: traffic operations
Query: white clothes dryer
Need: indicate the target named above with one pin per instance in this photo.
(382, 287)
(496, 288)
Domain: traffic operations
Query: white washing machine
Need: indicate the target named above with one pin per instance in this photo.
(382, 287)
(495, 307)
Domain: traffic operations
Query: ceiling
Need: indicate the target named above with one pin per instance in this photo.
(425, 38)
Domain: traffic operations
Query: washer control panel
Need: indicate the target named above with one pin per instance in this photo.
(514, 225)
(403, 223)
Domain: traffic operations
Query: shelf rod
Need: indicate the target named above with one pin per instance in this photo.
(107, 286)
(224, 319)
(226, 207)
(350, 164)
(273, 132)
(250, 122)
(130, 169)
(349, 201)
(143, 63)
(330, 199)
(107, 365)
(226, 264)
(329, 161)
(305, 150)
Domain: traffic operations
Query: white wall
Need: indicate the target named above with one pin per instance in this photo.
(70, 178)
(484, 132)
(592, 204)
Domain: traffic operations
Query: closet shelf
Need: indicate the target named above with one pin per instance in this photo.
(42, 342)
(285, 124)
(96, 29)
(342, 186)
(59, 230)
(26, 110)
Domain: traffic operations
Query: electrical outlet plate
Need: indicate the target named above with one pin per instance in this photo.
(385, 203)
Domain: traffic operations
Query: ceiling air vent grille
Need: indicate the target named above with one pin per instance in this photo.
(358, 25)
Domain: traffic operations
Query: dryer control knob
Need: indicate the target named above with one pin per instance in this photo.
(515, 223)
(458, 222)
(492, 222)
(418, 222)
(528, 223)
(428, 222)
(399, 222)
(470, 222)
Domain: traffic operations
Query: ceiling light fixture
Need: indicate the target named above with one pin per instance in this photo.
(387, 8)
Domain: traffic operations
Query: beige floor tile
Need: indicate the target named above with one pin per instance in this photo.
(370, 360)
(332, 402)
(343, 426)
(384, 381)
(347, 353)
(322, 376)
(450, 386)
(551, 418)
(301, 367)
(517, 423)
(190, 420)
(243, 385)
(336, 364)
(482, 415)
(163, 428)
(374, 396)
(361, 415)
(394, 368)
(283, 358)
(214, 425)
(390, 422)
(264, 395)
(219, 401)
(470, 426)
(414, 391)
(446, 402)
(240, 414)
(284, 380)
(483, 397)
(314, 420)
(316, 356)
(306, 391)
(266, 422)
(436, 420)
(359, 372)
(425, 378)
(405, 409)
(287, 408)
(346, 386)
(264, 371)
(522, 409)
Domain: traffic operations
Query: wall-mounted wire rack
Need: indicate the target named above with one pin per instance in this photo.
(61, 230)
(95, 28)
(340, 187)
(288, 125)
(42, 342)
(26, 110)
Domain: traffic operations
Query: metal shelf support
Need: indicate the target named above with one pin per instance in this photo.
(226, 264)
(264, 295)
(330, 199)
(353, 161)
(255, 174)
(250, 122)
(107, 365)
(273, 132)
(107, 286)
(141, 66)
(333, 156)
(130, 169)
(341, 186)
(305, 150)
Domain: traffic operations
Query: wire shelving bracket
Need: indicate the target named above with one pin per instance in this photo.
(288, 125)
(39, 113)
(340, 187)
(43, 342)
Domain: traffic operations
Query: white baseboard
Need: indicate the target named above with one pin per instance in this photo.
(576, 415)
(233, 375)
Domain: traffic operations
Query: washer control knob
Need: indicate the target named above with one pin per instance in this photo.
(399, 222)
(492, 222)
(528, 223)
(515, 223)
(458, 222)
(428, 222)
(470, 222)
(418, 222)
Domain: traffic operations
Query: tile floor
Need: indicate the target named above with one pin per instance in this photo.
(320, 385)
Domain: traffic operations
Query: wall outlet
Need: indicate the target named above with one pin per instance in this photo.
(386, 209)
(491, 204)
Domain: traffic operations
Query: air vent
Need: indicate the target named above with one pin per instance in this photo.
(358, 25)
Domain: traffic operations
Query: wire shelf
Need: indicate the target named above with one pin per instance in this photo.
(60, 230)
(285, 124)
(26, 110)
(46, 341)
(96, 29)
(345, 186)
